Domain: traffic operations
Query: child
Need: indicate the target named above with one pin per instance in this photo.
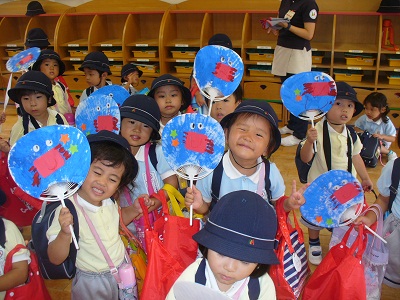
(139, 126)
(96, 68)
(130, 75)
(33, 92)
(50, 63)
(344, 108)
(171, 95)
(252, 133)
(20, 260)
(377, 122)
(238, 247)
(112, 167)
(224, 107)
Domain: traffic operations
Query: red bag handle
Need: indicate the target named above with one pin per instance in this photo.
(283, 224)
(8, 265)
(165, 209)
(360, 243)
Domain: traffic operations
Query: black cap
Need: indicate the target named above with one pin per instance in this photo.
(220, 39)
(35, 81)
(345, 91)
(36, 37)
(48, 53)
(168, 79)
(34, 8)
(129, 68)
(96, 60)
(389, 6)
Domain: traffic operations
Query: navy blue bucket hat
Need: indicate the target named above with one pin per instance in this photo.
(345, 91)
(51, 54)
(34, 8)
(261, 108)
(242, 225)
(129, 68)
(36, 37)
(143, 109)
(220, 39)
(96, 60)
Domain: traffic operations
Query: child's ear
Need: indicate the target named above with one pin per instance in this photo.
(104, 74)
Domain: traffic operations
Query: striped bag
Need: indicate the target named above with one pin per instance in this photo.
(293, 271)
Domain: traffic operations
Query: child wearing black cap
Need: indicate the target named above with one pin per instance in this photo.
(112, 167)
(252, 135)
(140, 126)
(96, 68)
(50, 63)
(238, 243)
(171, 95)
(345, 107)
(33, 92)
(130, 75)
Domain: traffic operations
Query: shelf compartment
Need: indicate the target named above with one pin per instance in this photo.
(263, 71)
(348, 75)
(260, 55)
(353, 59)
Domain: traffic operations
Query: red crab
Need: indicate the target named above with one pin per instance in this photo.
(345, 193)
(24, 60)
(320, 88)
(224, 72)
(105, 123)
(198, 142)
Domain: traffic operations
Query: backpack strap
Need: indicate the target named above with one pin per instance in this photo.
(2, 233)
(395, 183)
(253, 285)
(89, 90)
(153, 155)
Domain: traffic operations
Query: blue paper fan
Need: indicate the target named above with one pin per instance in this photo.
(98, 112)
(218, 71)
(49, 155)
(116, 92)
(309, 95)
(331, 197)
(23, 60)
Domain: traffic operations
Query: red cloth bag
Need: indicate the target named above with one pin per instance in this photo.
(341, 273)
(34, 289)
(19, 207)
(170, 249)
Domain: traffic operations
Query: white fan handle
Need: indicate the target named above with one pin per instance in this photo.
(71, 228)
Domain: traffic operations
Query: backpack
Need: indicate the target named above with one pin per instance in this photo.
(395, 183)
(303, 168)
(370, 150)
(39, 243)
(2, 233)
(216, 182)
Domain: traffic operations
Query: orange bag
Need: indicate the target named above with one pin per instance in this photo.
(170, 249)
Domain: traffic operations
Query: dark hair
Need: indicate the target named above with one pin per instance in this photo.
(259, 271)
(117, 156)
(378, 100)
(153, 136)
(238, 94)
(271, 144)
(22, 92)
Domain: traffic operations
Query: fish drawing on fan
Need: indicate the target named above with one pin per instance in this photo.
(114, 91)
(96, 113)
(193, 145)
(51, 163)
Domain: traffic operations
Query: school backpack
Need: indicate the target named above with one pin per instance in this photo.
(370, 150)
(303, 168)
(39, 243)
(395, 183)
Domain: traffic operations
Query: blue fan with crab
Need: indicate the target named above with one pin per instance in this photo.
(114, 91)
(98, 113)
(333, 199)
(23, 60)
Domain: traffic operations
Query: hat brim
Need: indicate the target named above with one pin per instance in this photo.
(36, 65)
(34, 13)
(12, 93)
(42, 44)
(240, 252)
(94, 67)
(136, 70)
(133, 116)
(359, 107)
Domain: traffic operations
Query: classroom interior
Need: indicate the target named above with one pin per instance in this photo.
(350, 44)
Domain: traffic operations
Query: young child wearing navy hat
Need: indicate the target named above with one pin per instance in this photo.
(130, 75)
(96, 67)
(252, 136)
(50, 63)
(345, 107)
(33, 92)
(112, 167)
(238, 243)
(171, 95)
(140, 125)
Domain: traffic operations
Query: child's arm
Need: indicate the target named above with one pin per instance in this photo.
(134, 211)
(17, 276)
(370, 217)
(366, 182)
(194, 197)
(307, 151)
(58, 249)
(296, 199)
(4, 145)
(3, 117)
(387, 138)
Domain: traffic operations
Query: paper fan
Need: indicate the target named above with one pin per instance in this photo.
(51, 163)
(184, 290)
(114, 91)
(98, 112)
(333, 199)
(23, 60)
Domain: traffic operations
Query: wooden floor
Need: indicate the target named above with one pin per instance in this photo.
(284, 158)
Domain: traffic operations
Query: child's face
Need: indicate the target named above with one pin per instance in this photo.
(35, 104)
(228, 270)
(50, 68)
(135, 132)
(341, 112)
(373, 113)
(101, 182)
(222, 108)
(169, 100)
(132, 78)
(248, 139)
(93, 78)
